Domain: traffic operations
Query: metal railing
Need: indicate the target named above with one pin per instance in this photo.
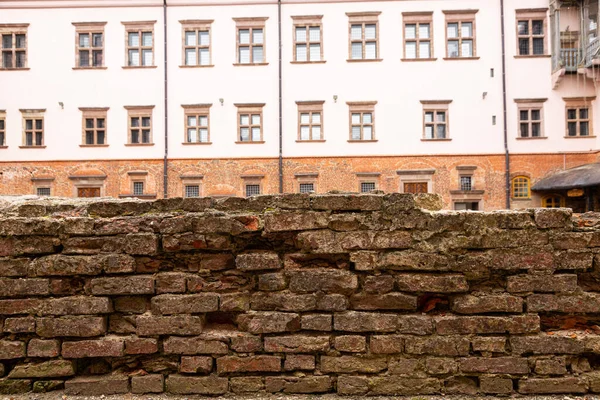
(570, 59)
(591, 52)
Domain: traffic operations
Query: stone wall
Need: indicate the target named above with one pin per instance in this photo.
(361, 294)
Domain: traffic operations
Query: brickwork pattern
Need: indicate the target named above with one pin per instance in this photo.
(349, 294)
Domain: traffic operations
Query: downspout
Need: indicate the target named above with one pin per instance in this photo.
(504, 110)
(280, 101)
(166, 105)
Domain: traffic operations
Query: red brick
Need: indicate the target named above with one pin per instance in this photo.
(352, 364)
(308, 384)
(388, 301)
(76, 305)
(233, 364)
(299, 362)
(269, 322)
(93, 348)
(351, 344)
(123, 285)
(246, 344)
(10, 349)
(388, 344)
(24, 287)
(153, 383)
(206, 385)
(46, 369)
(19, 306)
(495, 365)
(259, 260)
(196, 365)
(171, 325)
(43, 348)
(529, 323)
(541, 283)
(19, 325)
(168, 304)
(354, 321)
(170, 282)
(97, 385)
(193, 345)
(136, 345)
(431, 283)
(296, 344)
(70, 326)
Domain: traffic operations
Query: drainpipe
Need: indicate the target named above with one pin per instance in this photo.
(166, 105)
(280, 101)
(504, 110)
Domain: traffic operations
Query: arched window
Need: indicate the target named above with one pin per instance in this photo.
(521, 187)
(553, 201)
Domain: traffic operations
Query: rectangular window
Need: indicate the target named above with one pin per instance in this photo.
(579, 117)
(250, 43)
(252, 190)
(531, 32)
(94, 126)
(415, 187)
(43, 191)
(460, 33)
(362, 120)
(139, 43)
(138, 188)
(2, 129)
(310, 120)
(366, 187)
(464, 206)
(250, 123)
(435, 119)
(140, 124)
(14, 46)
(466, 183)
(418, 35)
(307, 188)
(364, 36)
(197, 43)
(530, 116)
(192, 190)
(308, 42)
(33, 127)
(197, 123)
(89, 44)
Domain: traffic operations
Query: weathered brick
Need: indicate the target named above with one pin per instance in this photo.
(441, 366)
(468, 304)
(354, 321)
(246, 384)
(269, 322)
(354, 385)
(271, 282)
(48, 386)
(153, 383)
(541, 283)
(542, 344)
(206, 385)
(112, 347)
(352, 364)
(411, 367)
(61, 265)
(489, 344)
(378, 284)
(196, 365)
(217, 262)
(351, 343)
(364, 260)
(431, 283)
(297, 344)
(122, 285)
(193, 345)
(256, 261)
(495, 385)
(231, 302)
(168, 304)
(389, 344)
(569, 385)
(70, 326)
(43, 348)
(15, 386)
(307, 384)
(415, 325)
(438, 346)
(581, 303)
(388, 301)
(135, 345)
(324, 280)
(461, 385)
(332, 302)
(233, 364)
(574, 260)
(76, 305)
(246, 344)
(13, 267)
(10, 349)
(283, 302)
(554, 366)
(317, 322)
(299, 362)
(171, 282)
(529, 323)
(19, 306)
(24, 287)
(172, 325)
(411, 260)
(19, 325)
(546, 218)
(295, 221)
(46, 369)
(97, 385)
(495, 365)
(118, 323)
(131, 304)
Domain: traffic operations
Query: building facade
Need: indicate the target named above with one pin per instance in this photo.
(473, 100)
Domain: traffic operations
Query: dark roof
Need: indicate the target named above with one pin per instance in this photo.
(578, 177)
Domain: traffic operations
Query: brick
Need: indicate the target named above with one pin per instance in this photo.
(353, 385)
(317, 322)
(415, 325)
(196, 365)
(135, 345)
(67, 286)
(217, 262)
(93, 348)
(581, 303)
(496, 365)
(232, 302)
(541, 283)
(555, 366)
(468, 304)
(193, 345)
(461, 385)
(546, 218)
(246, 344)
(574, 260)
(15, 386)
(97, 385)
(257, 261)
(354, 321)
(298, 385)
(19, 325)
(441, 366)
(388, 301)
(411, 367)
(529, 323)
(410, 260)
(246, 384)
(24, 287)
(438, 346)
(297, 344)
(153, 383)
(272, 282)
(378, 284)
(46, 369)
(170, 282)
(234, 364)
(364, 260)
(33, 245)
(61, 265)
(76, 305)
(495, 385)
(489, 344)
(168, 304)
(19, 306)
(332, 302)
(184, 325)
(350, 343)
(123, 285)
(48, 386)
(345, 202)
(131, 304)
(546, 345)
(299, 362)
(552, 386)
(13, 267)
(570, 240)
(70, 326)
(10, 349)
(269, 322)
(118, 323)
(431, 283)
(352, 364)
(283, 302)
(43, 348)
(389, 344)
(322, 280)
(295, 221)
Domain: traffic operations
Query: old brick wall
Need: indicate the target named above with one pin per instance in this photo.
(362, 294)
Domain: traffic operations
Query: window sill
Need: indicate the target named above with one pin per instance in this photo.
(3, 147)
(362, 141)
(250, 64)
(311, 141)
(436, 140)
(15, 69)
(466, 192)
(88, 68)
(580, 137)
(418, 59)
(520, 199)
(460, 58)
(365, 60)
(308, 62)
(195, 143)
(138, 196)
(32, 147)
(532, 138)
(93, 145)
(534, 56)
(250, 142)
(139, 144)
(139, 67)
(197, 66)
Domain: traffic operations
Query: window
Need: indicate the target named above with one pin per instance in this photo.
(89, 44)
(250, 40)
(2, 128)
(416, 180)
(362, 120)
(140, 124)
(415, 187)
(252, 190)
(520, 188)
(196, 43)
(250, 123)
(307, 188)
(14, 46)
(553, 201)
(466, 183)
(366, 187)
(467, 205)
(94, 126)
(435, 119)
(364, 35)
(192, 190)
(88, 192)
(530, 117)
(310, 120)
(43, 191)
(460, 33)
(197, 123)
(139, 43)
(531, 32)
(579, 117)
(418, 35)
(33, 128)
(308, 33)
(138, 188)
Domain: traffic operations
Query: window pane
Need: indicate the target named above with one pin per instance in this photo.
(452, 48)
(89, 123)
(89, 137)
(411, 50)
(134, 39)
(255, 119)
(572, 128)
(429, 132)
(1, 124)
(134, 58)
(204, 135)
(536, 115)
(367, 133)
(307, 187)
(135, 136)
(84, 40)
(410, 31)
(304, 133)
(20, 59)
(356, 118)
(7, 41)
(467, 48)
(97, 38)
(429, 117)
(524, 115)
(146, 121)
(135, 122)
(191, 120)
(84, 58)
(190, 57)
(97, 54)
(572, 114)
(356, 32)
(314, 34)
(244, 36)
(244, 119)
(315, 52)
(423, 31)
(441, 116)
(255, 134)
(371, 51)
(38, 124)
(367, 118)
(190, 38)
(537, 26)
(356, 133)
(523, 27)
(583, 113)
(147, 57)
(192, 191)
(441, 131)
(584, 129)
(536, 129)
(7, 60)
(38, 138)
(28, 139)
(523, 47)
(357, 51)
(370, 31)
(29, 124)
(452, 30)
(100, 123)
(466, 29)
(538, 46)
(244, 55)
(301, 34)
(191, 135)
(316, 132)
(100, 137)
(524, 130)
(424, 50)
(204, 57)
(316, 118)
(146, 38)
(304, 118)
(20, 39)
(257, 36)
(203, 38)
(301, 52)
(203, 120)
